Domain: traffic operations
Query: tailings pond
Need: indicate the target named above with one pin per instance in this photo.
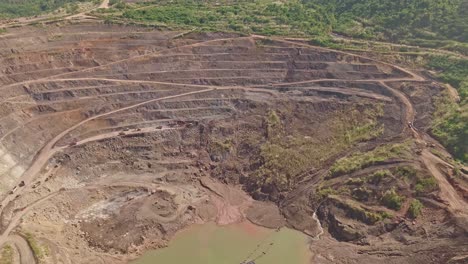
(233, 244)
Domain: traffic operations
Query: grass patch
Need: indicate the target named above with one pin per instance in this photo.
(457, 171)
(422, 184)
(362, 194)
(415, 208)
(392, 200)
(6, 255)
(274, 128)
(374, 217)
(452, 70)
(378, 176)
(39, 252)
(283, 157)
(406, 172)
(450, 123)
(363, 215)
(426, 185)
(221, 146)
(219, 149)
(281, 163)
(355, 181)
(375, 178)
(361, 160)
(325, 192)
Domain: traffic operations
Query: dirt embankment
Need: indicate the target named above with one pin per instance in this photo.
(114, 138)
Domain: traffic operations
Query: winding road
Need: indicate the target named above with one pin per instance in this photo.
(25, 253)
(456, 203)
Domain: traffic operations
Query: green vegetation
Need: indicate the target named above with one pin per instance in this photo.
(374, 217)
(354, 210)
(450, 124)
(428, 23)
(22, 8)
(362, 194)
(6, 255)
(439, 154)
(219, 149)
(422, 183)
(375, 178)
(361, 160)
(392, 200)
(415, 208)
(400, 20)
(283, 157)
(378, 176)
(273, 123)
(457, 171)
(323, 193)
(452, 70)
(292, 17)
(39, 252)
(364, 215)
(219, 146)
(281, 163)
(406, 172)
(355, 181)
(426, 185)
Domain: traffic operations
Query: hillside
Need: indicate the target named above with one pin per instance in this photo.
(400, 20)
(427, 23)
(126, 123)
(24, 8)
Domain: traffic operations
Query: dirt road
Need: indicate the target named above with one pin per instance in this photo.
(48, 150)
(447, 192)
(25, 252)
(104, 4)
(455, 202)
(154, 54)
(116, 134)
(414, 76)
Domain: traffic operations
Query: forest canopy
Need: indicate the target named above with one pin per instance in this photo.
(24, 8)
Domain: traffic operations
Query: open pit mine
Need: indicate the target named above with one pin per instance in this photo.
(113, 138)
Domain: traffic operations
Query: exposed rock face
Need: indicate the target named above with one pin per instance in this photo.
(125, 135)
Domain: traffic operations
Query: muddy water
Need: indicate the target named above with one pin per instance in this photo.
(212, 244)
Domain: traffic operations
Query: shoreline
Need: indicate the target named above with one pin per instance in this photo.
(245, 229)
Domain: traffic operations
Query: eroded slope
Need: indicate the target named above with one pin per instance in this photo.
(113, 138)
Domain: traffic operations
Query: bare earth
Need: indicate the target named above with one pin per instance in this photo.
(113, 138)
